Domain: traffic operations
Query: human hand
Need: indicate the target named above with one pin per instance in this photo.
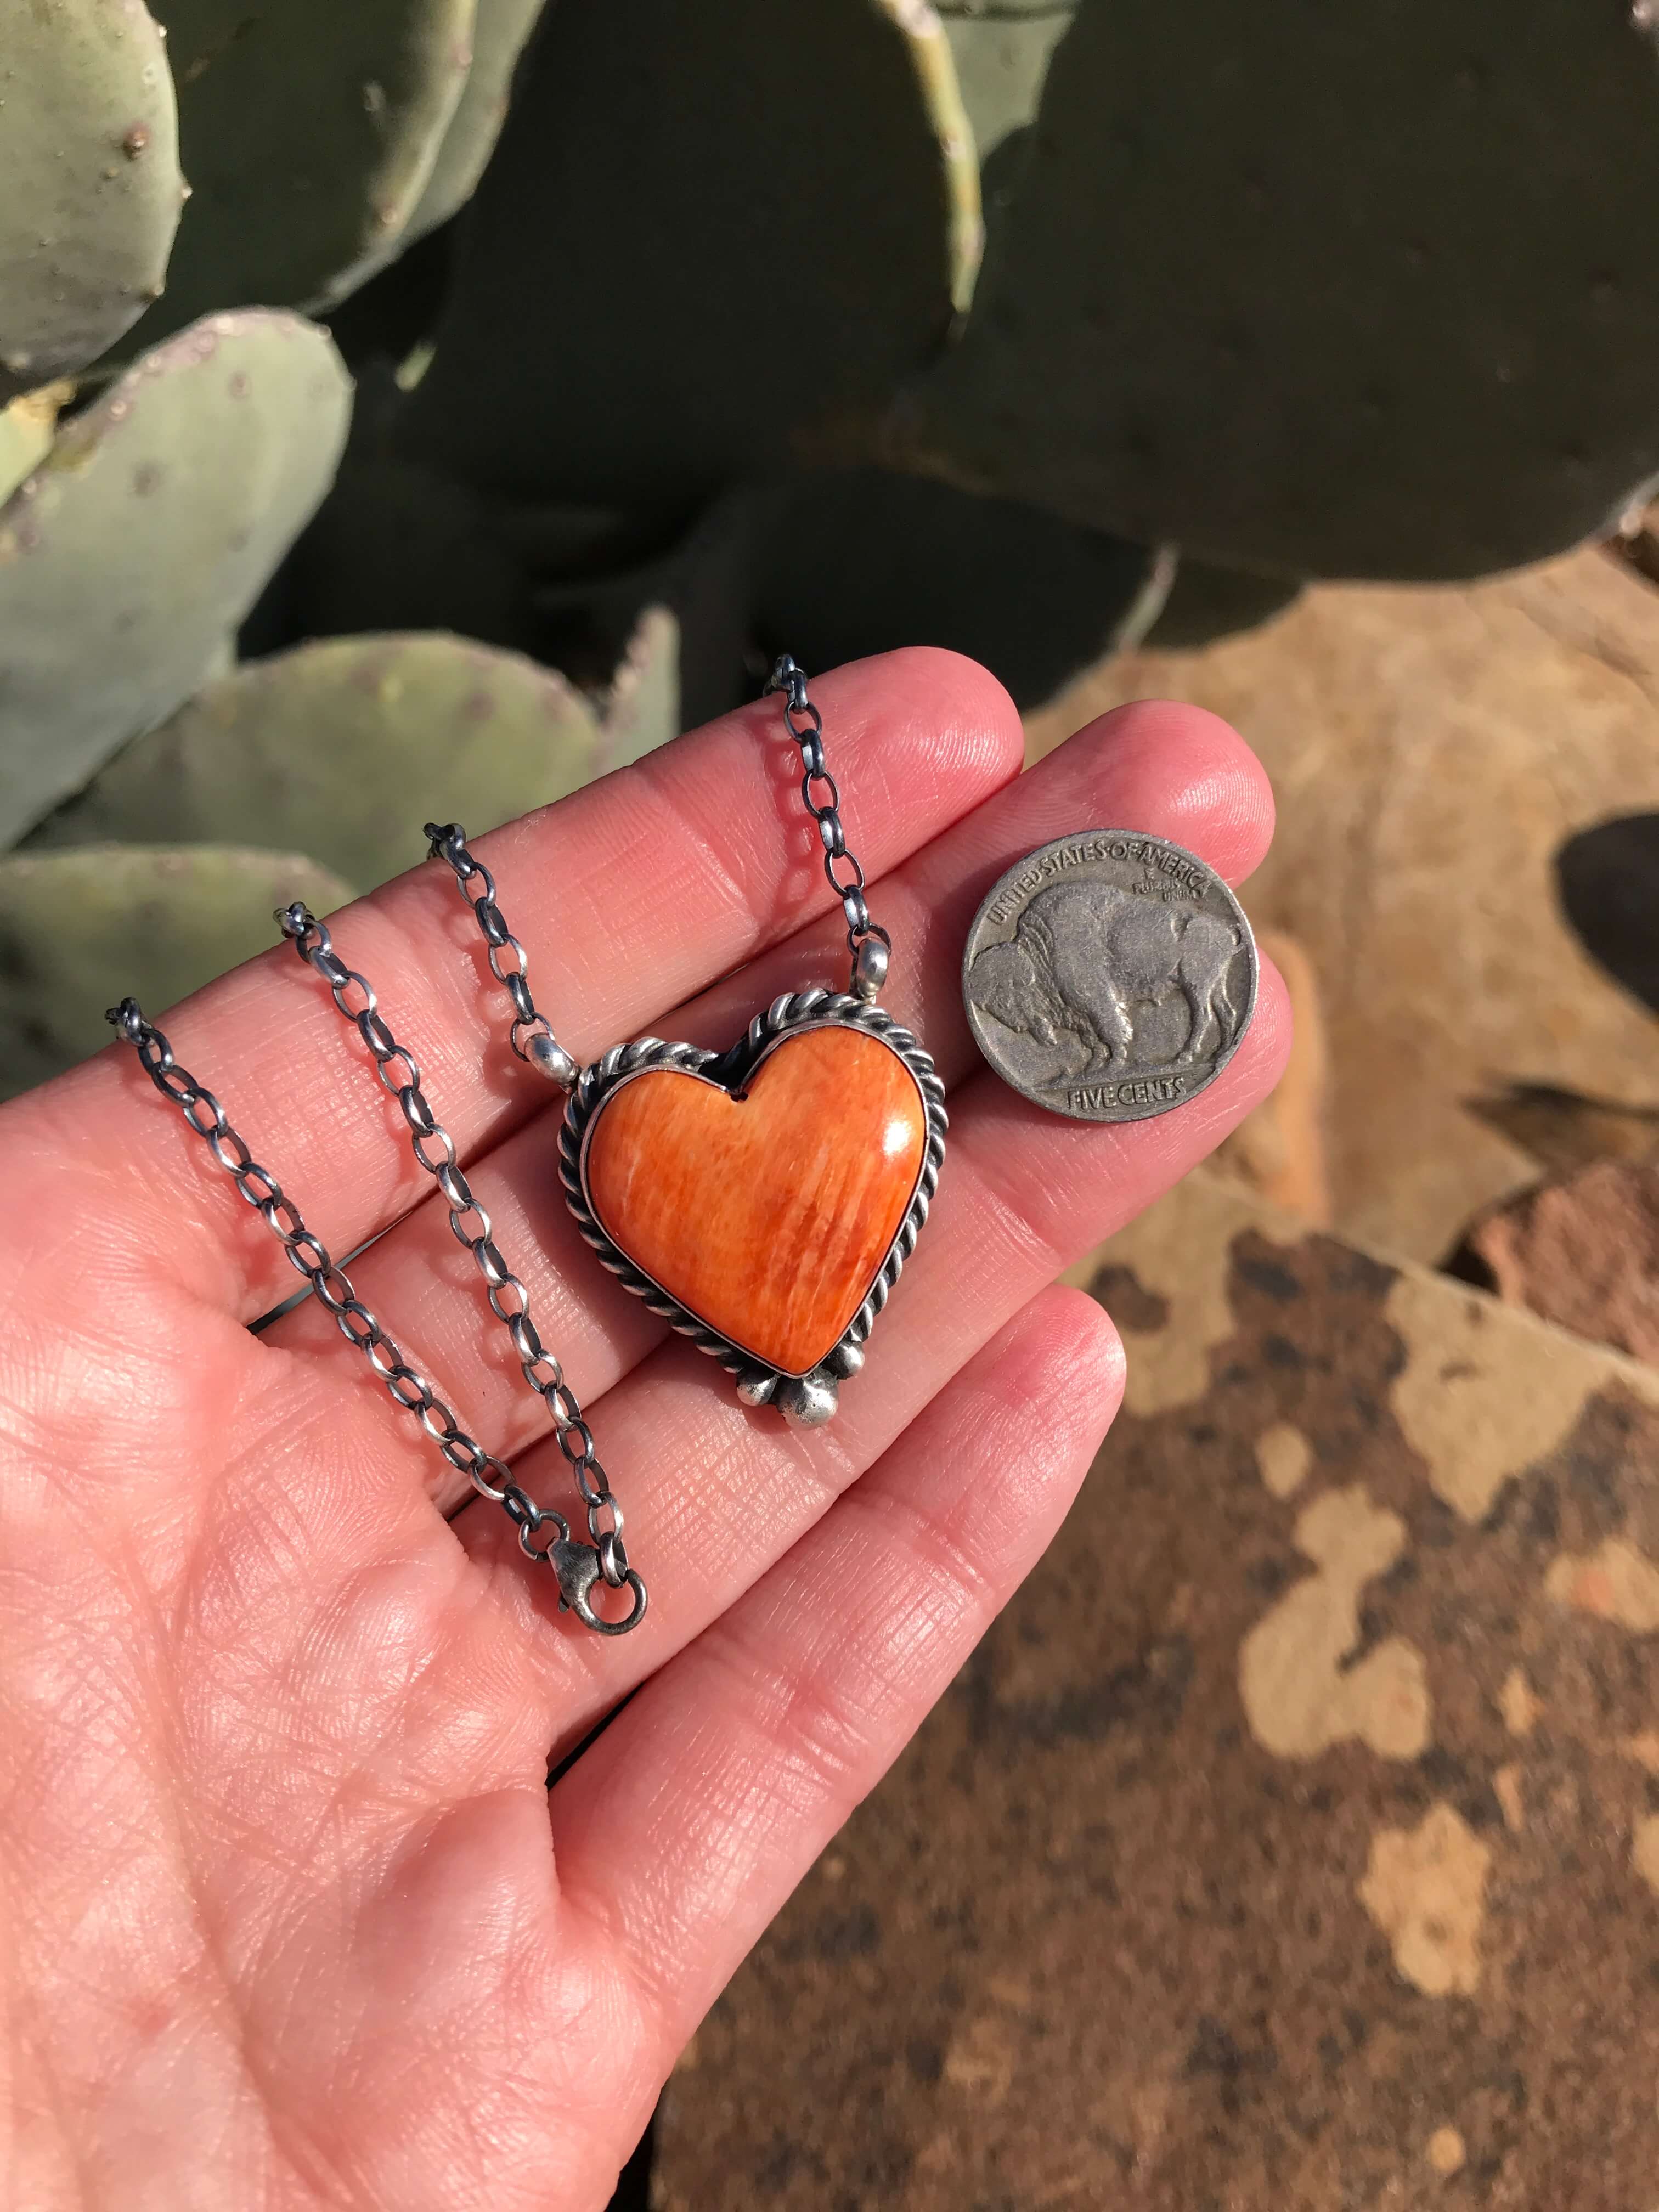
(291, 1917)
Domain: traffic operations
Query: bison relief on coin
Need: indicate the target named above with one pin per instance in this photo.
(1109, 976)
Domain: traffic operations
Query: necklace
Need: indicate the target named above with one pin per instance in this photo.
(763, 1199)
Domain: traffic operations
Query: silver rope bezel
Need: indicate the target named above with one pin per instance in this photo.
(786, 1016)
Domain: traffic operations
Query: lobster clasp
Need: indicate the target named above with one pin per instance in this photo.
(577, 1568)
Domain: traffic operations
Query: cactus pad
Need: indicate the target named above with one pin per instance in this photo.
(499, 37)
(343, 750)
(146, 535)
(309, 129)
(90, 185)
(642, 710)
(1002, 53)
(79, 930)
(588, 621)
(25, 432)
(704, 231)
(1325, 290)
(398, 547)
(1207, 602)
(862, 561)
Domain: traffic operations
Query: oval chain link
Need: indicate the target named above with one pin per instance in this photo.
(805, 726)
(447, 841)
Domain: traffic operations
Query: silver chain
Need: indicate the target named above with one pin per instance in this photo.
(805, 726)
(435, 1148)
(532, 1036)
(532, 1033)
(576, 1565)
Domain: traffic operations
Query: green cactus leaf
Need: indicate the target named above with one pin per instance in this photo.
(1207, 601)
(90, 185)
(932, 59)
(80, 930)
(642, 710)
(309, 131)
(25, 432)
(1001, 49)
(397, 546)
(147, 534)
(705, 232)
(1324, 290)
(704, 576)
(862, 561)
(343, 750)
(499, 37)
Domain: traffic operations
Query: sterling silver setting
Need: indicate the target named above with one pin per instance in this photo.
(805, 1400)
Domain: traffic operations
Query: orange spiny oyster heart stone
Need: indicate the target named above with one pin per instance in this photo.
(768, 1215)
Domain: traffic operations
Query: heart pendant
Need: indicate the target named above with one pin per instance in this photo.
(763, 1199)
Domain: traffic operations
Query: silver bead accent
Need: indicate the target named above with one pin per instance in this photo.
(756, 1385)
(549, 1058)
(869, 969)
(845, 1360)
(807, 1401)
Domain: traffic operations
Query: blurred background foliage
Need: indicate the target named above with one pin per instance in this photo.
(509, 381)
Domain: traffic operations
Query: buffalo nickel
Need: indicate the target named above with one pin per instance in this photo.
(1109, 976)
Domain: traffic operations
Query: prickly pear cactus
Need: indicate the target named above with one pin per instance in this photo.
(1207, 602)
(345, 748)
(309, 129)
(90, 185)
(25, 432)
(500, 35)
(839, 573)
(1308, 291)
(643, 709)
(704, 230)
(401, 546)
(80, 930)
(1325, 290)
(146, 533)
(1002, 48)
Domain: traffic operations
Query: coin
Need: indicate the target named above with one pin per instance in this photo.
(1109, 976)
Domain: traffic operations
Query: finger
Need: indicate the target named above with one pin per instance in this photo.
(628, 896)
(681, 1832)
(1175, 771)
(713, 1494)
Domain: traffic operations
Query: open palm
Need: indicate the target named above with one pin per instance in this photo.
(291, 1917)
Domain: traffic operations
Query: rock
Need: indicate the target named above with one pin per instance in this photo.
(1280, 1151)
(1431, 751)
(1561, 1130)
(1292, 1841)
(1637, 539)
(1608, 879)
(1583, 1253)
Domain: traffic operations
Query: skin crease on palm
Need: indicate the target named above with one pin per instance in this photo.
(291, 1917)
